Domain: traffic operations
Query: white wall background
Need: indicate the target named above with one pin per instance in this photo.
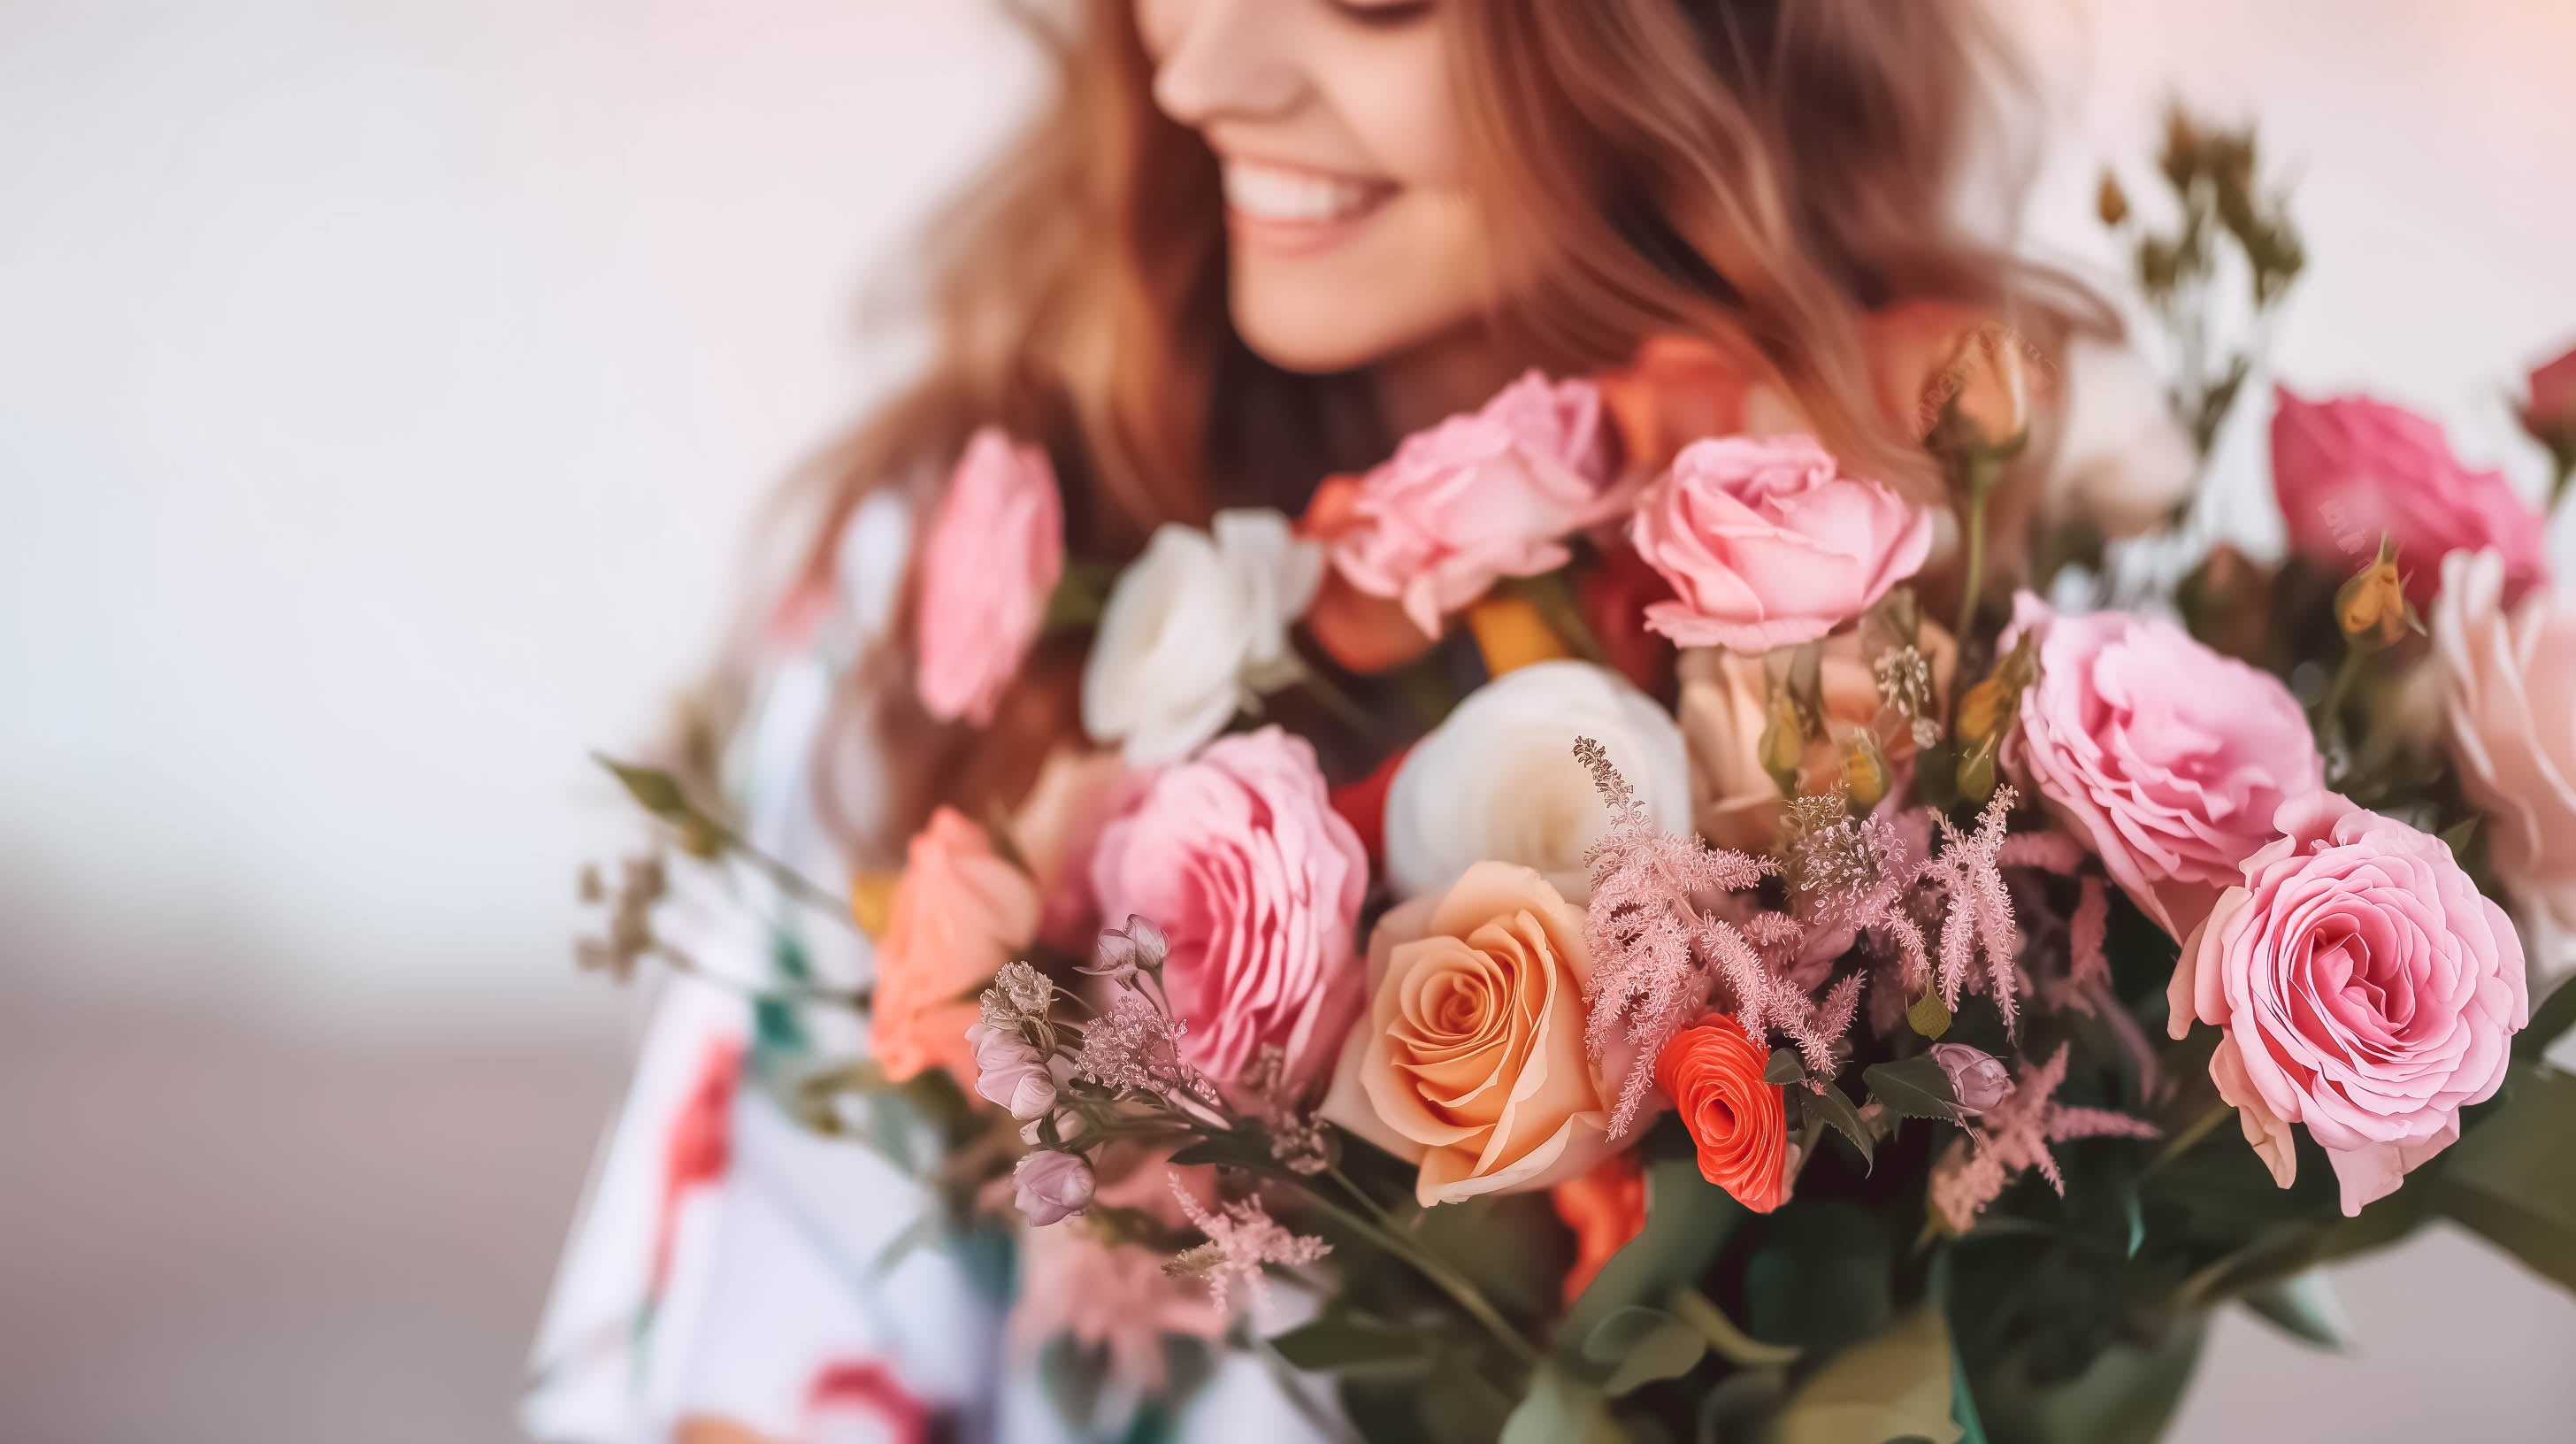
(384, 386)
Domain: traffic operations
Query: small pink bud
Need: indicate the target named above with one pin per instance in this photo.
(1051, 1187)
(1977, 1078)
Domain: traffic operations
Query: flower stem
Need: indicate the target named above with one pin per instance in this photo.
(1981, 480)
(1449, 1280)
(856, 999)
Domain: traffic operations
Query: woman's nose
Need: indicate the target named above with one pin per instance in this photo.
(1231, 59)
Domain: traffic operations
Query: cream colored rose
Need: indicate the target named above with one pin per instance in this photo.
(1470, 1061)
(1195, 630)
(2508, 686)
(1498, 781)
(1725, 702)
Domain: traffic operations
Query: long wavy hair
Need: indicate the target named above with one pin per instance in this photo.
(1757, 173)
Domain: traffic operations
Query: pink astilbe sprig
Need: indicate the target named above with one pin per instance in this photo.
(1660, 952)
(1967, 873)
(1242, 1240)
(2014, 1136)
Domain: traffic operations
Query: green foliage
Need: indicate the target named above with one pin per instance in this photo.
(1894, 1385)
(1912, 1088)
(2513, 1177)
(1640, 1346)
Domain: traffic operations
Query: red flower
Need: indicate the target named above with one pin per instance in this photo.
(1713, 1072)
(1605, 1208)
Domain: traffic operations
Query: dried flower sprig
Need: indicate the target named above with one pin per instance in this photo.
(1242, 1240)
(2014, 1136)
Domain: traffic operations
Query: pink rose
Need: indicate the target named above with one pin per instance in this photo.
(992, 556)
(2550, 409)
(1480, 497)
(1256, 883)
(1768, 545)
(2367, 990)
(2508, 688)
(2166, 758)
(2349, 470)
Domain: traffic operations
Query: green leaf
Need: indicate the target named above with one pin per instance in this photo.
(1929, 1016)
(1731, 1343)
(1912, 1088)
(1893, 1386)
(654, 790)
(1688, 1221)
(1558, 1410)
(2306, 1308)
(1080, 595)
(1785, 1067)
(1819, 1277)
(2458, 835)
(1642, 1345)
(2550, 1020)
(2513, 1178)
(1841, 1117)
(1340, 1343)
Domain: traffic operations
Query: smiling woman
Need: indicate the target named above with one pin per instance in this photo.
(1250, 244)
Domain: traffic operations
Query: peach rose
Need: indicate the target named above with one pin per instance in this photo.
(959, 914)
(1470, 1061)
(2508, 689)
(993, 555)
(1712, 1071)
(1725, 706)
(1767, 544)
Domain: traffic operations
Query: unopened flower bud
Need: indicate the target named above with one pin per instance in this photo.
(1009, 1071)
(1051, 1187)
(1865, 779)
(2371, 607)
(1784, 742)
(1123, 951)
(2111, 201)
(1978, 1080)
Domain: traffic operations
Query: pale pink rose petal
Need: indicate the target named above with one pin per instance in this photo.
(992, 557)
(1766, 544)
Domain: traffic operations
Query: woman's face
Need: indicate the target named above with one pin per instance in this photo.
(1352, 236)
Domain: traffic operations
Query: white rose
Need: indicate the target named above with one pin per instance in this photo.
(2508, 686)
(1498, 780)
(1196, 629)
(2122, 464)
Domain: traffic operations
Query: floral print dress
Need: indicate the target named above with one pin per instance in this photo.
(732, 1265)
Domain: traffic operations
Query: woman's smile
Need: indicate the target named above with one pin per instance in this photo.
(1293, 210)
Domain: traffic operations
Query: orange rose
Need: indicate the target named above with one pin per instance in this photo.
(1605, 1208)
(1713, 1072)
(959, 914)
(1471, 1060)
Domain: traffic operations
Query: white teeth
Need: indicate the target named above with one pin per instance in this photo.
(1297, 197)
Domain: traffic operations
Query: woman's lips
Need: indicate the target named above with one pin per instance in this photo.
(1292, 211)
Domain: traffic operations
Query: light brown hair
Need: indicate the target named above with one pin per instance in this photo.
(1760, 173)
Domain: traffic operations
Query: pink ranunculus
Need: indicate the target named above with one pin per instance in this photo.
(1767, 544)
(992, 556)
(2367, 990)
(2508, 690)
(1480, 497)
(2166, 758)
(1256, 883)
(2350, 470)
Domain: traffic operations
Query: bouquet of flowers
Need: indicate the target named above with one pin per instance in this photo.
(1615, 928)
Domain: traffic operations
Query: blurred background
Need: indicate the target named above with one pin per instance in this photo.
(383, 385)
